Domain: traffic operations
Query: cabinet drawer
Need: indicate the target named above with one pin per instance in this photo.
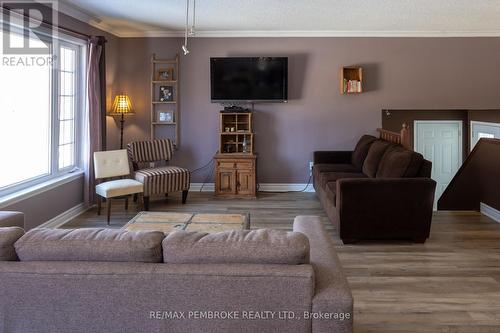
(235, 164)
(244, 165)
(227, 165)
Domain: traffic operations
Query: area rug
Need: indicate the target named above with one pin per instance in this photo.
(204, 222)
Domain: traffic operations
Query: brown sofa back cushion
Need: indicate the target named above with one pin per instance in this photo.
(361, 150)
(92, 244)
(263, 246)
(375, 153)
(8, 236)
(398, 162)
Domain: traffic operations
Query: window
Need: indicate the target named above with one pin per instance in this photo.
(40, 113)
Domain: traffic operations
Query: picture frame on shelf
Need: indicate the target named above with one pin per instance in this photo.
(166, 93)
(165, 117)
(165, 74)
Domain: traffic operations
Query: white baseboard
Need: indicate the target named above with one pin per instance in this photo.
(196, 187)
(489, 211)
(64, 217)
(285, 187)
(263, 187)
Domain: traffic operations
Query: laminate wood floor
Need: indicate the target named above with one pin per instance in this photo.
(449, 284)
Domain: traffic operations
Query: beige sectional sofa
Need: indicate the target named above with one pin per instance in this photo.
(11, 219)
(103, 280)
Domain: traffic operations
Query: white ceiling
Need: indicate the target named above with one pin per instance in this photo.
(222, 18)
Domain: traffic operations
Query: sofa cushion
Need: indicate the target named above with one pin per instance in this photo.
(327, 177)
(8, 236)
(325, 167)
(415, 165)
(331, 192)
(263, 246)
(361, 151)
(11, 219)
(375, 153)
(398, 162)
(92, 244)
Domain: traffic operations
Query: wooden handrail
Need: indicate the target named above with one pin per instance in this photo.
(401, 138)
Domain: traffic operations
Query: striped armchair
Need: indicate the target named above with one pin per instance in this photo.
(161, 179)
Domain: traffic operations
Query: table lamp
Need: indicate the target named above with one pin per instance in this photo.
(121, 107)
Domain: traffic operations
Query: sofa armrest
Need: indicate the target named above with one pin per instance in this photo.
(396, 205)
(11, 219)
(332, 157)
(332, 295)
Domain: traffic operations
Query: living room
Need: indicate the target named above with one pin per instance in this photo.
(371, 151)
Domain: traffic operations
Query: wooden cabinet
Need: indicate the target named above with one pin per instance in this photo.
(235, 175)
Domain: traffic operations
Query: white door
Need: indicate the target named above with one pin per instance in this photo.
(479, 129)
(441, 143)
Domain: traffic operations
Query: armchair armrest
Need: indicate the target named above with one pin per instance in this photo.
(332, 294)
(332, 157)
(396, 207)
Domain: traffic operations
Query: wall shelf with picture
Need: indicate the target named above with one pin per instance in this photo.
(164, 97)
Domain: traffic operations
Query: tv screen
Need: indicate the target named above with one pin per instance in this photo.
(255, 79)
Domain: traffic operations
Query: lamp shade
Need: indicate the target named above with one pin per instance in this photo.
(122, 105)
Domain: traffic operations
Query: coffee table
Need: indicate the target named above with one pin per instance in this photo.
(203, 222)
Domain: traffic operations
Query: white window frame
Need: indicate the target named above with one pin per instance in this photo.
(12, 192)
(477, 122)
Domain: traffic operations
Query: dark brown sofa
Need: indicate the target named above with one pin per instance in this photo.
(378, 191)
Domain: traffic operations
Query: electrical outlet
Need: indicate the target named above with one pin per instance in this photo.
(311, 164)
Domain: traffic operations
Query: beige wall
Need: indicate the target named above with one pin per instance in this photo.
(400, 73)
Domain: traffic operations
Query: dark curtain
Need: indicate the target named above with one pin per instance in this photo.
(95, 116)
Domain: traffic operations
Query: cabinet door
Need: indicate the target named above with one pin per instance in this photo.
(245, 182)
(226, 181)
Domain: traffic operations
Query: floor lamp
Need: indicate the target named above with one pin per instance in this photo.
(121, 107)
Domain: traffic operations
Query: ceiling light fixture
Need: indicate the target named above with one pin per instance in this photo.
(192, 31)
(189, 31)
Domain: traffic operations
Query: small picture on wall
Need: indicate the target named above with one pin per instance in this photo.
(165, 117)
(165, 74)
(166, 94)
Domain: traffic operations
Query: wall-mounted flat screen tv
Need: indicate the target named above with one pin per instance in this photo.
(255, 79)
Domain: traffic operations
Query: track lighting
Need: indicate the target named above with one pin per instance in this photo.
(189, 30)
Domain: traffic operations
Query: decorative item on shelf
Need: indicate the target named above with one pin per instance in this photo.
(122, 106)
(165, 74)
(245, 145)
(166, 117)
(166, 94)
(229, 148)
